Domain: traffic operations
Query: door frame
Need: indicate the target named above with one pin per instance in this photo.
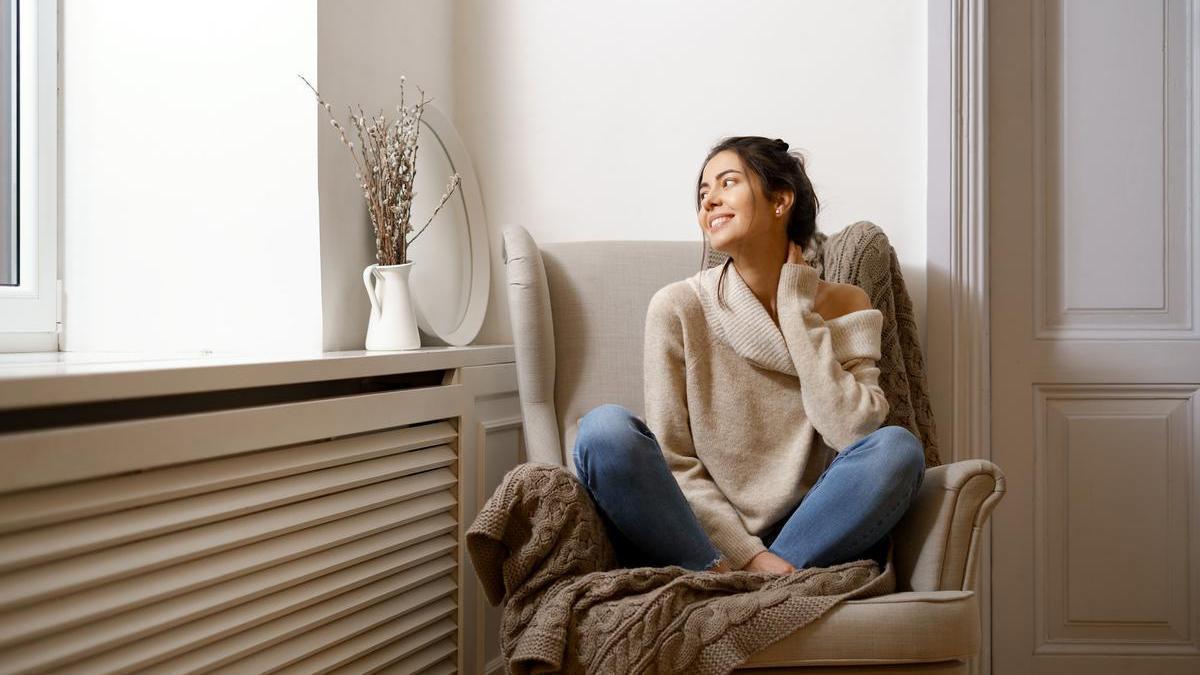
(958, 344)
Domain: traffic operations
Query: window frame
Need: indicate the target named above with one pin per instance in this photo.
(30, 312)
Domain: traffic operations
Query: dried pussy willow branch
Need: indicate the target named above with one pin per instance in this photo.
(385, 164)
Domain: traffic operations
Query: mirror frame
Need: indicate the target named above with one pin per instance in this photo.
(481, 274)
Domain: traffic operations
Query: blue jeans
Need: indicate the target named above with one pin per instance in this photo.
(846, 516)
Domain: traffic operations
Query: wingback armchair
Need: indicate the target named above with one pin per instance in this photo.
(578, 312)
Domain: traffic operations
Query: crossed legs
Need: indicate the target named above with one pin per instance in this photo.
(859, 498)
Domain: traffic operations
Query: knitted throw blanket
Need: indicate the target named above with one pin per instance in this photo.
(862, 255)
(539, 548)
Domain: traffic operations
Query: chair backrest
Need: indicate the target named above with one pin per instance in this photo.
(578, 314)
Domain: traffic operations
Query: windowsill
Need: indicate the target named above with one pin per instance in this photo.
(59, 378)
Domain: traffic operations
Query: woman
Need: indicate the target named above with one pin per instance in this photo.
(761, 448)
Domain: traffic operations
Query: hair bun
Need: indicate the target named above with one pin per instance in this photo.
(782, 144)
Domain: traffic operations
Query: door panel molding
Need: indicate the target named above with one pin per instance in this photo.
(1111, 541)
(1146, 287)
(1095, 371)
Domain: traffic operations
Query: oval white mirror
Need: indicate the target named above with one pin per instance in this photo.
(452, 277)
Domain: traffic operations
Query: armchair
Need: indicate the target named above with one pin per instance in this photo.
(578, 312)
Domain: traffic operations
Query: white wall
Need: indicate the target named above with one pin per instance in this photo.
(590, 120)
(190, 175)
(191, 150)
(938, 340)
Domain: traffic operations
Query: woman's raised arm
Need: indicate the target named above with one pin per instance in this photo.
(839, 382)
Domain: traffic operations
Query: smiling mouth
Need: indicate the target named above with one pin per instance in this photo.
(719, 222)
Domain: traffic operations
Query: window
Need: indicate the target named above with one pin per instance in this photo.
(28, 175)
(9, 235)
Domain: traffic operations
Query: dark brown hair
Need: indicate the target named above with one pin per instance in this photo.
(776, 170)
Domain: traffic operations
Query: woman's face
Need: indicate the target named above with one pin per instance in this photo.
(732, 211)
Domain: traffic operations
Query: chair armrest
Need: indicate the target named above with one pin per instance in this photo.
(533, 342)
(936, 544)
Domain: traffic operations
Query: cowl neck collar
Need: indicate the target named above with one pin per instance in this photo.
(743, 323)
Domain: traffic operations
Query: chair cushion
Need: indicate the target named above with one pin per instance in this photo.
(600, 291)
(912, 627)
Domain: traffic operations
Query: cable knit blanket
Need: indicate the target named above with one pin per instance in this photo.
(540, 549)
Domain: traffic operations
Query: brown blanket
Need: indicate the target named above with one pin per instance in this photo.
(539, 547)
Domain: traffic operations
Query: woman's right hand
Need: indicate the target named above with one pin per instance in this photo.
(769, 562)
(796, 254)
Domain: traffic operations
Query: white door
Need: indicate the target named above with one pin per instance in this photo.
(1094, 259)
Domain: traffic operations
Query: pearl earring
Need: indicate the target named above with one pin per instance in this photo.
(778, 211)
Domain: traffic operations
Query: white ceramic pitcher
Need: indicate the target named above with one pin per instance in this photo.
(393, 323)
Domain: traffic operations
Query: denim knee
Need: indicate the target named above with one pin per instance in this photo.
(610, 438)
(903, 456)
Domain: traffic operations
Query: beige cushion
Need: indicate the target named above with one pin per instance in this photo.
(600, 292)
(912, 627)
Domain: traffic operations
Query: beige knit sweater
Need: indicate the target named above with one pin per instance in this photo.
(737, 403)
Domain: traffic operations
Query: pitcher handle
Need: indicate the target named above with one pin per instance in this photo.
(367, 274)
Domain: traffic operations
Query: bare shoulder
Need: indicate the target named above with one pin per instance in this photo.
(840, 299)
